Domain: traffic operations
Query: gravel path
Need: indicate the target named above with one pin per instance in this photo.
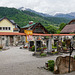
(17, 61)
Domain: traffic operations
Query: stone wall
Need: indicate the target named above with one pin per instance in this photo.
(5, 40)
(62, 65)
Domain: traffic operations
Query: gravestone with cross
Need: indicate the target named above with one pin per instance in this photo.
(59, 46)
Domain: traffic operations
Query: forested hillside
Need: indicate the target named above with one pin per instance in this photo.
(23, 17)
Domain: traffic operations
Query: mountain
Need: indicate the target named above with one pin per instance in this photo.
(72, 14)
(51, 19)
(69, 15)
(21, 8)
(60, 15)
(41, 14)
(22, 17)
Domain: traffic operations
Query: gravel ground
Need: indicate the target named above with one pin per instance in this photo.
(17, 61)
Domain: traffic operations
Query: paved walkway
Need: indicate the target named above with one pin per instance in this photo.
(17, 61)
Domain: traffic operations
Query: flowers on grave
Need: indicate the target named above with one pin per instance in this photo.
(25, 47)
(44, 48)
(54, 52)
(30, 47)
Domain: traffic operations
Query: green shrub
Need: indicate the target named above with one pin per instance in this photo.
(54, 52)
(38, 49)
(43, 54)
(63, 43)
(44, 47)
(51, 65)
(33, 48)
(74, 56)
(55, 44)
(54, 47)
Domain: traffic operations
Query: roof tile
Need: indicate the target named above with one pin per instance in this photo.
(68, 28)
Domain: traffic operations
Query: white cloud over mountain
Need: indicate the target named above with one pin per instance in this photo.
(45, 6)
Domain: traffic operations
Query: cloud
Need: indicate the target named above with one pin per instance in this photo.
(45, 6)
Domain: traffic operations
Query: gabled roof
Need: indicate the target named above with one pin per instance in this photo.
(12, 21)
(28, 25)
(68, 28)
(71, 21)
(33, 25)
(41, 25)
(8, 19)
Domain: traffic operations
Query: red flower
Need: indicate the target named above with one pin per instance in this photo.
(25, 47)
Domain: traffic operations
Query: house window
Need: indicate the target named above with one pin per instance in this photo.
(0, 28)
(5, 28)
(9, 28)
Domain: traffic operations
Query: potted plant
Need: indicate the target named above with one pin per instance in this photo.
(43, 54)
(44, 48)
(51, 65)
(39, 49)
(54, 47)
(33, 48)
(25, 47)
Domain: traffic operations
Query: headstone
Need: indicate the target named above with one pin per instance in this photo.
(62, 65)
(49, 45)
(59, 46)
(59, 43)
(68, 42)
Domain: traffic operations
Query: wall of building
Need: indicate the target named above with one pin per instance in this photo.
(6, 23)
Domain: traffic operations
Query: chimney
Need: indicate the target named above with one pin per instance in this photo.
(30, 22)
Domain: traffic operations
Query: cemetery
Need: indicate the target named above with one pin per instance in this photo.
(36, 40)
(55, 44)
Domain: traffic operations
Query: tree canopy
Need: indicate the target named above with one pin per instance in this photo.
(22, 17)
(61, 26)
(52, 29)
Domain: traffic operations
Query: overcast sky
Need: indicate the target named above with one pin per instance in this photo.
(44, 6)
